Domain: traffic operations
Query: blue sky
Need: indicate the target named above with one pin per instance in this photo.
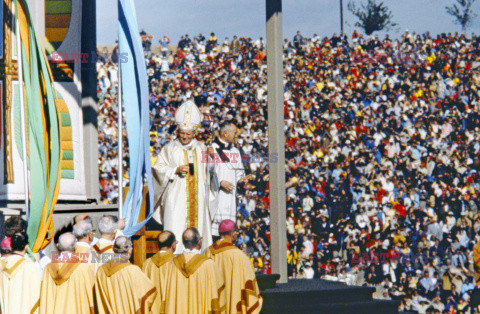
(247, 17)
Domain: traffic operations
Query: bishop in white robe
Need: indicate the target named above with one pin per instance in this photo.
(227, 174)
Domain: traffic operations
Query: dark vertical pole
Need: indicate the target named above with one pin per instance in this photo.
(276, 139)
(2, 225)
(341, 16)
(89, 98)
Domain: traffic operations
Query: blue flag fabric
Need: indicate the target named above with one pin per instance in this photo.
(135, 104)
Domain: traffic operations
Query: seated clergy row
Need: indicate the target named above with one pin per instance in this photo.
(102, 280)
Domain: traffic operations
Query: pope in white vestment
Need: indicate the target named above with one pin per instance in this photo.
(180, 179)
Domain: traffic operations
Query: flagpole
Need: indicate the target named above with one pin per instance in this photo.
(120, 141)
(22, 114)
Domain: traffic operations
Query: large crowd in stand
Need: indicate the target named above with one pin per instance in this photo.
(382, 152)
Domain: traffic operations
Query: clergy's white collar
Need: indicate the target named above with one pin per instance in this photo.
(95, 240)
(16, 256)
(162, 251)
(223, 142)
(84, 244)
(105, 241)
(192, 251)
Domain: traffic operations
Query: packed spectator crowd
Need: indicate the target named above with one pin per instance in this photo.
(382, 152)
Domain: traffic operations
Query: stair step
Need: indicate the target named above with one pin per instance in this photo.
(320, 290)
(313, 306)
(323, 296)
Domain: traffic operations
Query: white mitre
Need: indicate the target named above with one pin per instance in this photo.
(188, 117)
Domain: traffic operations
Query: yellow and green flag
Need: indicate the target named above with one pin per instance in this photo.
(48, 131)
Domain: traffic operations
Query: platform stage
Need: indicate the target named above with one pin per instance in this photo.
(322, 296)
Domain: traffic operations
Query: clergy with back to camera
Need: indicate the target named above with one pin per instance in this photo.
(180, 178)
(156, 266)
(83, 231)
(241, 288)
(109, 227)
(195, 284)
(228, 173)
(67, 284)
(122, 287)
(20, 280)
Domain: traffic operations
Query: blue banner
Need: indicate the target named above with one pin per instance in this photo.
(135, 104)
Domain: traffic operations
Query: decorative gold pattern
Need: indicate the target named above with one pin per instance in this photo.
(8, 74)
(191, 193)
(101, 251)
(221, 246)
(143, 301)
(189, 268)
(216, 309)
(35, 307)
(187, 116)
(160, 259)
(248, 291)
(61, 272)
(9, 271)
